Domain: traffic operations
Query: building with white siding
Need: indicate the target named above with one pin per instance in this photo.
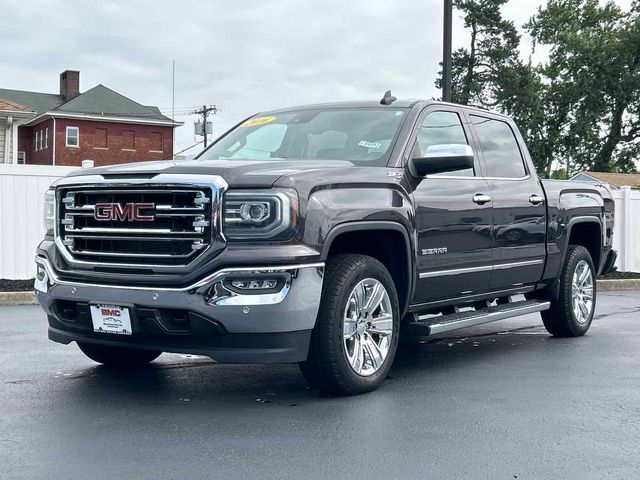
(12, 115)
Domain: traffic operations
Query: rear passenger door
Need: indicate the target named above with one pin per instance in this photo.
(453, 221)
(519, 210)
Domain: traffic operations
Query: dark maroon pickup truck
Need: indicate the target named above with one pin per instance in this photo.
(316, 235)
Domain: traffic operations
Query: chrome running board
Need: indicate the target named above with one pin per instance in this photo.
(433, 325)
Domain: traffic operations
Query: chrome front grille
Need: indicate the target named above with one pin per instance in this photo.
(136, 225)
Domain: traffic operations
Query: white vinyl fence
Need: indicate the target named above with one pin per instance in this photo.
(626, 234)
(22, 189)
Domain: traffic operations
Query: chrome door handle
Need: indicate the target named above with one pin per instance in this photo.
(536, 200)
(481, 199)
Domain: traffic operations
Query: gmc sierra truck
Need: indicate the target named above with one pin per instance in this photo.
(315, 235)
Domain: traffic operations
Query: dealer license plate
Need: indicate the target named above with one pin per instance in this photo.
(111, 319)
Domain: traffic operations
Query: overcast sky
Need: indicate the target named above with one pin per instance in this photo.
(245, 56)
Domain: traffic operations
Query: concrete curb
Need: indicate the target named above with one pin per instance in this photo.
(18, 298)
(626, 284)
(29, 298)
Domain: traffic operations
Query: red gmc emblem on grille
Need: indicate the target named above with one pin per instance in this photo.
(131, 212)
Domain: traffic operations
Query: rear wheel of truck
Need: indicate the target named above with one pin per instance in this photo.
(118, 357)
(572, 313)
(356, 335)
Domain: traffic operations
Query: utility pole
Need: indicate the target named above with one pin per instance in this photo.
(447, 94)
(205, 112)
(173, 107)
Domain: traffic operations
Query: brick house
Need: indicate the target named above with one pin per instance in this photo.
(99, 124)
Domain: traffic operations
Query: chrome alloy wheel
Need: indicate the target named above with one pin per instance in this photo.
(582, 292)
(368, 327)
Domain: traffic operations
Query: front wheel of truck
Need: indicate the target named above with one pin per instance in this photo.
(118, 357)
(356, 335)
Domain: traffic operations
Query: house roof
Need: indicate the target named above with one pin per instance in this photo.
(616, 179)
(103, 101)
(38, 102)
(99, 101)
(8, 106)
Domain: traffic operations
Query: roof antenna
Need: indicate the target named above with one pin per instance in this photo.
(388, 99)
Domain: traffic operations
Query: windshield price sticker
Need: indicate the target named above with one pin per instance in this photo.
(254, 122)
(370, 145)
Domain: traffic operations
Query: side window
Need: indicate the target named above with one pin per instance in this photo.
(442, 128)
(502, 155)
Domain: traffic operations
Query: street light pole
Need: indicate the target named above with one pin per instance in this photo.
(447, 51)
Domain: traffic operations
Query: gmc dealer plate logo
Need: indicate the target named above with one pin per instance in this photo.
(130, 212)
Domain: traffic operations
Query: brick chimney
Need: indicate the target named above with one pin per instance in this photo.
(69, 84)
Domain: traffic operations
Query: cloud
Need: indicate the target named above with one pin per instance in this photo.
(244, 56)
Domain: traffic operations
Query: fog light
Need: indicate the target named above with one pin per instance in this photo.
(261, 284)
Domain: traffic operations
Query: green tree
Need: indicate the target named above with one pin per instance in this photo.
(580, 108)
(594, 72)
(478, 70)
(489, 72)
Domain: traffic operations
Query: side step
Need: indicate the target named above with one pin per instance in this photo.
(432, 325)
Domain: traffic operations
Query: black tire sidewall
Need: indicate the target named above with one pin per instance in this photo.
(561, 320)
(580, 254)
(376, 271)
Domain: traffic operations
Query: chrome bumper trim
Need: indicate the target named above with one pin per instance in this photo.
(206, 281)
(292, 306)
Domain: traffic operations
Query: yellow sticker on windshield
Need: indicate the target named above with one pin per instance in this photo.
(253, 122)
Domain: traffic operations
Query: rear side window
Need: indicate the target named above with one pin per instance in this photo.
(502, 155)
(441, 128)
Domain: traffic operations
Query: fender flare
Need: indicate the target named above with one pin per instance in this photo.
(555, 286)
(579, 220)
(366, 225)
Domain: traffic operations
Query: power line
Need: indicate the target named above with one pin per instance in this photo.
(189, 148)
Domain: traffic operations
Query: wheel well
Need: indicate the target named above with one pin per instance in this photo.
(588, 235)
(387, 246)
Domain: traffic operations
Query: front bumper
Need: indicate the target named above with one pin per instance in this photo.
(205, 318)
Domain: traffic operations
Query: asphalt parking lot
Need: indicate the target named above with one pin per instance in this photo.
(501, 401)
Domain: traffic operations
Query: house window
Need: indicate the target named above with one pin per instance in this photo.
(35, 142)
(22, 157)
(100, 138)
(46, 137)
(41, 140)
(73, 137)
(156, 141)
(128, 140)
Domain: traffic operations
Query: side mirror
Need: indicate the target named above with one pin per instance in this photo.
(442, 159)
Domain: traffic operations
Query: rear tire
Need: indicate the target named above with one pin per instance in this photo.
(118, 357)
(356, 335)
(572, 313)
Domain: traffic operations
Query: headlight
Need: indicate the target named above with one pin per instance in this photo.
(260, 214)
(49, 209)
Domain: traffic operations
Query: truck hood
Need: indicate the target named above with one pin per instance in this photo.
(247, 173)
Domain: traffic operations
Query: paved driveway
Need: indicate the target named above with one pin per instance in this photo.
(501, 401)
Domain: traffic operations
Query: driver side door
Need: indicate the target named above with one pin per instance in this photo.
(454, 219)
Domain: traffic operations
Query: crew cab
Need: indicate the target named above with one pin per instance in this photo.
(318, 235)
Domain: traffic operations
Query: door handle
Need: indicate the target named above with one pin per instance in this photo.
(536, 199)
(481, 199)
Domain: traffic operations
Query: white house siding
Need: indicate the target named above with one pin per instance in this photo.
(3, 133)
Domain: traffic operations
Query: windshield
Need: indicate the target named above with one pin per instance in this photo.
(360, 135)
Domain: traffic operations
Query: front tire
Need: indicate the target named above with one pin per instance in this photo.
(118, 357)
(572, 313)
(356, 335)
